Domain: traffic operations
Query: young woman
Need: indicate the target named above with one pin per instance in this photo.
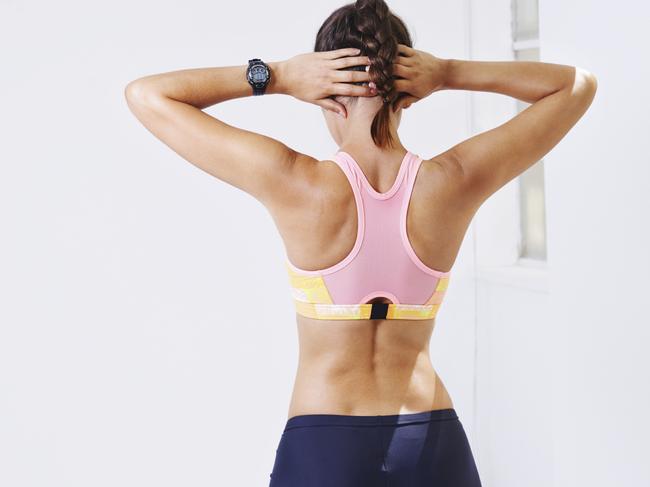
(371, 234)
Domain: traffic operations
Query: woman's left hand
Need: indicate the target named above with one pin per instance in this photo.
(314, 77)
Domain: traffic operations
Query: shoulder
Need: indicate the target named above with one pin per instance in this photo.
(320, 204)
(313, 178)
(442, 178)
(319, 178)
(297, 184)
(311, 186)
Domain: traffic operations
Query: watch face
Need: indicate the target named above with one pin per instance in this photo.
(258, 73)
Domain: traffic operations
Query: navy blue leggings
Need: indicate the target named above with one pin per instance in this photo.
(402, 450)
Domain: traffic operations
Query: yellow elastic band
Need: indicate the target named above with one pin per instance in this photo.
(400, 311)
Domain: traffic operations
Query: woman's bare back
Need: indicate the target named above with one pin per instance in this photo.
(370, 366)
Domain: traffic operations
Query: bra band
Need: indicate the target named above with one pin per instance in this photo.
(366, 311)
(311, 299)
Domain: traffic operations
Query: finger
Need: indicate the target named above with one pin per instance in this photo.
(346, 89)
(333, 106)
(408, 101)
(350, 76)
(401, 71)
(404, 102)
(346, 51)
(404, 61)
(402, 85)
(400, 100)
(405, 50)
(345, 62)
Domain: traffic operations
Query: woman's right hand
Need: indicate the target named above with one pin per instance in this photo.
(417, 75)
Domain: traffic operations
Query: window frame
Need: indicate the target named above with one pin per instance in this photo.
(527, 252)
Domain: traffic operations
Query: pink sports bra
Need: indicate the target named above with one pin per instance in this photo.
(382, 262)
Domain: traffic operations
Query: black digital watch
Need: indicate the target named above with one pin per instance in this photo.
(258, 75)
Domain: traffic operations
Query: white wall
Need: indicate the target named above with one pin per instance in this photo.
(598, 203)
(563, 383)
(125, 358)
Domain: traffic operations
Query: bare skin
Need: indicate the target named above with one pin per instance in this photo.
(364, 367)
(371, 366)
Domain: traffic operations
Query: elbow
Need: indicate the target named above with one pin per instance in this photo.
(141, 91)
(594, 84)
(587, 82)
(134, 91)
(591, 80)
(582, 89)
(591, 86)
(133, 95)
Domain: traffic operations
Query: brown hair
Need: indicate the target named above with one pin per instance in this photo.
(370, 26)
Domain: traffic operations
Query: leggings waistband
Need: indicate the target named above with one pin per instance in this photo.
(370, 420)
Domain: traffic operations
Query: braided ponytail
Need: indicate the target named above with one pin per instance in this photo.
(380, 45)
(372, 27)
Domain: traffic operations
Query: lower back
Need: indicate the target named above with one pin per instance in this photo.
(369, 367)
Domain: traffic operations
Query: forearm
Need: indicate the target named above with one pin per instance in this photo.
(204, 87)
(525, 80)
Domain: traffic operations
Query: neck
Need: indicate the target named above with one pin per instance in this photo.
(359, 142)
(356, 138)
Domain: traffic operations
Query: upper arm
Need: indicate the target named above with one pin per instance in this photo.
(487, 161)
(263, 167)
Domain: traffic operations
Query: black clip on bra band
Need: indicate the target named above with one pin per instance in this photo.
(379, 311)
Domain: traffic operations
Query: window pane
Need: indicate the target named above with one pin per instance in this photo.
(526, 19)
(531, 54)
(533, 214)
(531, 191)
